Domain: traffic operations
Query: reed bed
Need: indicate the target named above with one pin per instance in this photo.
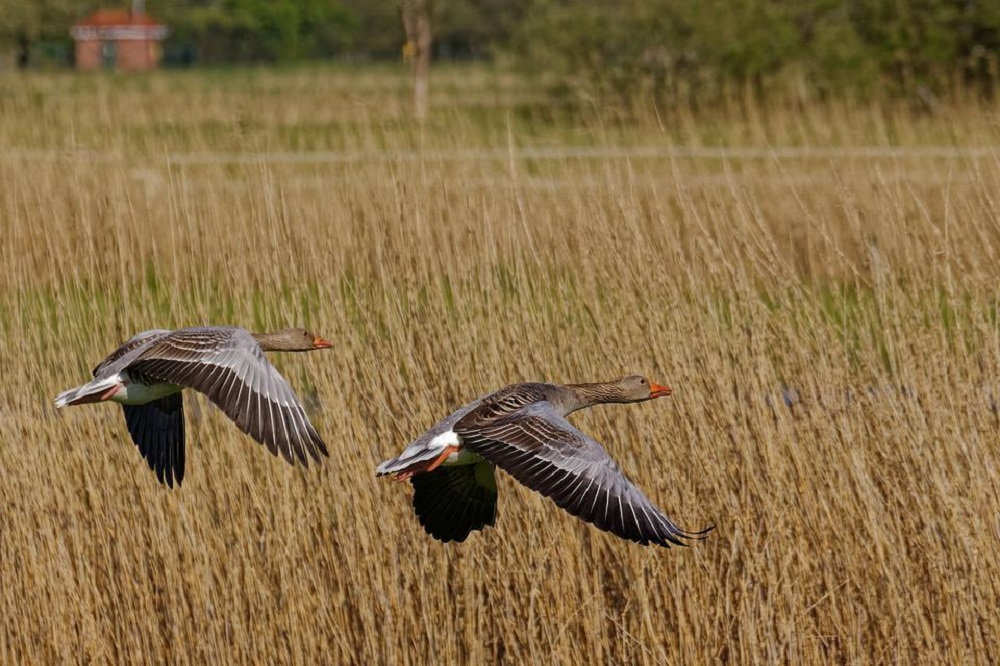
(827, 318)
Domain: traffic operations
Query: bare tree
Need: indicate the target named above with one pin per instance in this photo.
(416, 16)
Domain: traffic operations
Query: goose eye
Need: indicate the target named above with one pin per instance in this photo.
(642, 381)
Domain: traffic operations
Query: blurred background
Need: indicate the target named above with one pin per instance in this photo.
(678, 49)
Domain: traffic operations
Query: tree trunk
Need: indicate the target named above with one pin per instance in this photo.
(416, 16)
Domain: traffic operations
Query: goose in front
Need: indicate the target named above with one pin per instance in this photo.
(523, 430)
(149, 371)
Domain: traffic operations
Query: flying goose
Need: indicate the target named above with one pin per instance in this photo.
(522, 429)
(149, 371)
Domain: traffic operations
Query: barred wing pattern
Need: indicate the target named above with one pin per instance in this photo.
(131, 348)
(507, 402)
(542, 450)
(229, 367)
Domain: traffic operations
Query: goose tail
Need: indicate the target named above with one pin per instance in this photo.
(95, 391)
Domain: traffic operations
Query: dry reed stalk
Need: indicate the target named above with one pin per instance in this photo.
(857, 524)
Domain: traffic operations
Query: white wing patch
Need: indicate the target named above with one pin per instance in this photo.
(445, 439)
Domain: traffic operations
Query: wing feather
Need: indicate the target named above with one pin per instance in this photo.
(120, 357)
(157, 428)
(229, 367)
(542, 450)
(453, 501)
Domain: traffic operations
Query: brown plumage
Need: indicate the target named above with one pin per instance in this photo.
(227, 364)
(523, 430)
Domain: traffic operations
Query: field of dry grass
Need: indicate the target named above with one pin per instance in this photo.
(817, 282)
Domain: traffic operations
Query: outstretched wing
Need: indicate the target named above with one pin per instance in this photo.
(428, 446)
(132, 347)
(452, 501)
(157, 428)
(228, 366)
(542, 450)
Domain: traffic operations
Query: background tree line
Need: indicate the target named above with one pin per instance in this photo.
(611, 45)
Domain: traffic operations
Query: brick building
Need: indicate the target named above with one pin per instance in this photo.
(118, 39)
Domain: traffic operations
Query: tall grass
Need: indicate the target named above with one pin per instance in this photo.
(827, 318)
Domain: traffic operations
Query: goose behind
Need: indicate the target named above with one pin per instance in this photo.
(147, 373)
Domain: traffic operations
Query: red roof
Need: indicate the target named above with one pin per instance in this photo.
(114, 17)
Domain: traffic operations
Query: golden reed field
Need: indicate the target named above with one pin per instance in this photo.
(818, 282)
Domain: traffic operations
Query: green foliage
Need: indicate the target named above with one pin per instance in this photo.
(261, 30)
(474, 28)
(35, 19)
(636, 45)
(271, 31)
(669, 48)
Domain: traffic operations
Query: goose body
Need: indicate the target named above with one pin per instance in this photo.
(131, 390)
(147, 373)
(522, 429)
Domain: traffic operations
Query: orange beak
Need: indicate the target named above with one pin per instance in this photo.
(320, 343)
(658, 391)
